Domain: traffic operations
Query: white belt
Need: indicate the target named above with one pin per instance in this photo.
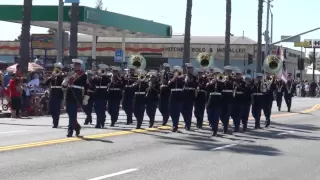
(114, 89)
(257, 94)
(140, 93)
(90, 90)
(176, 89)
(189, 88)
(163, 86)
(102, 87)
(77, 87)
(215, 93)
(202, 90)
(239, 92)
(56, 86)
(227, 91)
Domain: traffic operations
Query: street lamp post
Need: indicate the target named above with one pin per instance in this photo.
(60, 32)
(271, 35)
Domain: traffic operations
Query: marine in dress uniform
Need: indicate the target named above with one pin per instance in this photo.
(100, 97)
(200, 102)
(258, 89)
(56, 93)
(88, 108)
(247, 101)
(289, 90)
(227, 98)
(239, 100)
(76, 95)
(214, 90)
(115, 89)
(165, 76)
(189, 92)
(139, 101)
(176, 85)
(268, 97)
(152, 95)
(128, 92)
(280, 87)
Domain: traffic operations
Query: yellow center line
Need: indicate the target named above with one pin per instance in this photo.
(119, 133)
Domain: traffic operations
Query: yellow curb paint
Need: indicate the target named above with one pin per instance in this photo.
(119, 133)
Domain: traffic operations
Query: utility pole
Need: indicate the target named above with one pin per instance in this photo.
(271, 38)
(266, 34)
(314, 63)
(60, 32)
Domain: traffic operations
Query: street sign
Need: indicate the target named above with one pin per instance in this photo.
(71, 1)
(306, 44)
(118, 55)
(316, 43)
(294, 39)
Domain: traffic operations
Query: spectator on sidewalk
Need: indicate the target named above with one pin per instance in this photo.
(15, 95)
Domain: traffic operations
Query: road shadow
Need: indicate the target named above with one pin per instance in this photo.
(304, 128)
(204, 142)
(17, 124)
(94, 139)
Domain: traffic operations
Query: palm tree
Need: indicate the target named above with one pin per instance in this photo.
(187, 33)
(228, 33)
(259, 46)
(24, 51)
(73, 49)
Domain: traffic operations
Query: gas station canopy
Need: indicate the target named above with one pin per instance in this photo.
(91, 21)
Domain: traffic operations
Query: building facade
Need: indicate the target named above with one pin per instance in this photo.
(160, 50)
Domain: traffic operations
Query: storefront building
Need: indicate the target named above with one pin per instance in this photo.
(160, 50)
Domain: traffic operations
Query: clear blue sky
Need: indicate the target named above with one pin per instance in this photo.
(208, 16)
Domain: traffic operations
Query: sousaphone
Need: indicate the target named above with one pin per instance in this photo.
(205, 60)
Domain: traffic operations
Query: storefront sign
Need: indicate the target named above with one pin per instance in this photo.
(199, 50)
(92, 15)
(42, 41)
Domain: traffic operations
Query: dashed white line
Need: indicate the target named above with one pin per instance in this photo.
(223, 147)
(279, 134)
(114, 174)
(10, 132)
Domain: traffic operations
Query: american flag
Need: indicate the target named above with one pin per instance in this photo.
(283, 75)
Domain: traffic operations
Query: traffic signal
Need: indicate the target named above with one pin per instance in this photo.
(316, 43)
(250, 59)
(300, 64)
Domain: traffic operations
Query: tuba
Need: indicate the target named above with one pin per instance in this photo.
(205, 60)
(221, 78)
(272, 64)
(137, 61)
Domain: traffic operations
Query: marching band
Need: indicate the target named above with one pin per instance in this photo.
(220, 93)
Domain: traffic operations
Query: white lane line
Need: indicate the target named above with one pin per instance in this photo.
(288, 132)
(223, 147)
(10, 132)
(279, 134)
(114, 174)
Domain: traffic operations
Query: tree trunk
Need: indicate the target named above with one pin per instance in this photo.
(259, 45)
(73, 49)
(24, 51)
(187, 33)
(228, 33)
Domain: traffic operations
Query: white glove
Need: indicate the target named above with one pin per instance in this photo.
(85, 100)
(65, 82)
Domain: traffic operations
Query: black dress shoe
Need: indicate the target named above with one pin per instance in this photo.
(174, 129)
(245, 127)
(214, 133)
(267, 124)
(55, 126)
(69, 135)
(78, 131)
(151, 123)
(112, 124)
(98, 126)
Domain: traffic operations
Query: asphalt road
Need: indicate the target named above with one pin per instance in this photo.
(31, 149)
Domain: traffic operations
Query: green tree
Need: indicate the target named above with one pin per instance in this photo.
(24, 51)
(259, 46)
(187, 33)
(227, 33)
